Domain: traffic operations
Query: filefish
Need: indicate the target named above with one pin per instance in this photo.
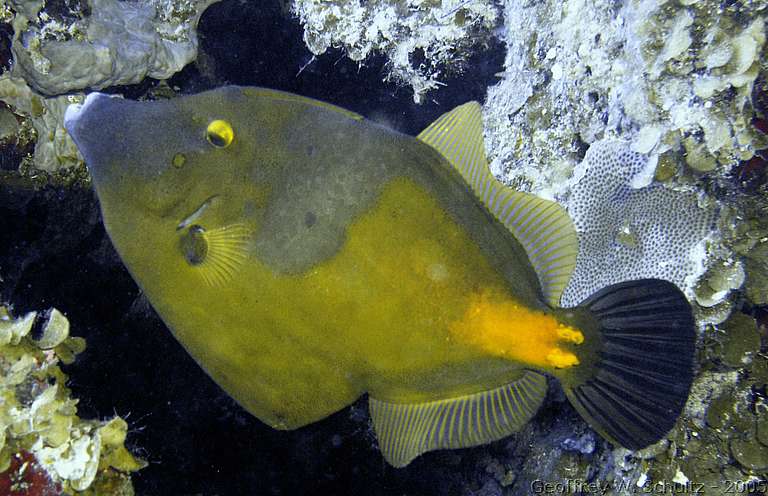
(305, 256)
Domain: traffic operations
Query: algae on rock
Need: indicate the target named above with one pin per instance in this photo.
(54, 150)
(665, 75)
(655, 101)
(582, 74)
(38, 417)
(87, 46)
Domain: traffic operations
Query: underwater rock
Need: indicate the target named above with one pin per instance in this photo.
(706, 387)
(741, 340)
(103, 43)
(421, 40)
(584, 444)
(646, 71)
(25, 477)
(721, 410)
(9, 126)
(762, 428)
(750, 454)
(43, 125)
(664, 75)
(756, 264)
(584, 73)
(719, 280)
(38, 418)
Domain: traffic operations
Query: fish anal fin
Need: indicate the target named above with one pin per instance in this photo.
(542, 227)
(406, 430)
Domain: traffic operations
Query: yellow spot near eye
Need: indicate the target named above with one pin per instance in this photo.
(503, 327)
(220, 133)
(179, 160)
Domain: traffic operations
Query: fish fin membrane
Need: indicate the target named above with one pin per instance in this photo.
(226, 254)
(542, 227)
(406, 430)
(644, 368)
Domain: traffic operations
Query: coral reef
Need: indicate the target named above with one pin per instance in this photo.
(644, 118)
(421, 39)
(103, 42)
(674, 78)
(45, 448)
(647, 119)
(39, 122)
(629, 229)
(67, 47)
(673, 82)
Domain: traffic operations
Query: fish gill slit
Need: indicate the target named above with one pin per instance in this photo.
(197, 213)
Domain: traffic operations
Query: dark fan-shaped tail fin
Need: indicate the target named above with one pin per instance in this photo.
(639, 381)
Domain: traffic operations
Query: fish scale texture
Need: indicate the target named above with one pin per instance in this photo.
(628, 233)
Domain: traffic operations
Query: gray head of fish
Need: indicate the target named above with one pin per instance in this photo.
(155, 154)
(124, 140)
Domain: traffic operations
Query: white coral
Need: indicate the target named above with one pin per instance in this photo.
(578, 71)
(398, 30)
(628, 233)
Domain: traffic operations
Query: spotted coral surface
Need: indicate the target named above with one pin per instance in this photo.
(630, 228)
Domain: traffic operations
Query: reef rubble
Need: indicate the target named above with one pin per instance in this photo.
(45, 448)
(641, 117)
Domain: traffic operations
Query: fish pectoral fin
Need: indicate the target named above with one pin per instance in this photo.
(216, 254)
(542, 227)
(406, 430)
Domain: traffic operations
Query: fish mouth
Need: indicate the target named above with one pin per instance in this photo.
(92, 126)
(75, 112)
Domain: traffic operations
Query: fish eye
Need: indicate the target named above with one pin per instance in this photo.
(219, 133)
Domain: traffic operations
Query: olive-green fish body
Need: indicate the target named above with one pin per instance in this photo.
(305, 256)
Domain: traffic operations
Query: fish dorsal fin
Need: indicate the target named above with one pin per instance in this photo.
(406, 430)
(542, 227)
(290, 97)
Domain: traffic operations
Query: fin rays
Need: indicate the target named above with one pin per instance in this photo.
(225, 254)
(539, 225)
(645, 368)
(407, 430)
